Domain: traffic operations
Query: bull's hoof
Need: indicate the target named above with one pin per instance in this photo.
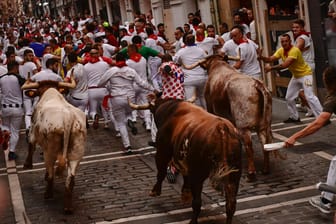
(27, 166)
(251, 177)
(48, 195)
(186, 197)
(68, 211)
(154, 193)
(265, 171)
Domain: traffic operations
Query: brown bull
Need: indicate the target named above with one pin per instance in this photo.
(201, 145)
(243, 100)
(60, 130)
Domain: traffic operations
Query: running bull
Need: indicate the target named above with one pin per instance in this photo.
(200, 145)
(243, 100)
(60, 130)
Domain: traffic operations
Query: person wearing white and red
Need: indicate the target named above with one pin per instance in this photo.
(94, 69)
(108, 50)
(120, 80)
(139, 64)
(124, 35)
(248, 63)
(78, 96)
(195, 78)
(28, 68)
(155, 42)
(140, 29)
(206, 43)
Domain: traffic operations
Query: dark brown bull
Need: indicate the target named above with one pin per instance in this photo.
(243, 100)
(201, 145)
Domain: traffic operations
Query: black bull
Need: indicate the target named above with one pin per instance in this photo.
(201, 145)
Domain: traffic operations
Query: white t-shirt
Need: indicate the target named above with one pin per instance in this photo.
(108, 50)
(229, 49)
(308, 54)
(45, 59)
(94, 71)
(140, 67)
(188, 56)
(81, 89)
(248, 54)
(207, 44)
(27, 67)
(46, 74)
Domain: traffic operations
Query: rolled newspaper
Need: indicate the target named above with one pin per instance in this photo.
(274, 146)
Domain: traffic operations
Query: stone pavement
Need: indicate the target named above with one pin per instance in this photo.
(113, 188)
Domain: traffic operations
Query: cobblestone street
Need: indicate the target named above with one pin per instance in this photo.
(113, 188)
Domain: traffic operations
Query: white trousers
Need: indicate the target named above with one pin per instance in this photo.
(28, 105)
(331, 179)
(96, 96)
(305, 83)
(122, 112)
(12, 119)
(196, 84)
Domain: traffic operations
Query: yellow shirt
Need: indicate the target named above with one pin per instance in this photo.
(299, 67)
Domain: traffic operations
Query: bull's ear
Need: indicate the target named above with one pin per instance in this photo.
(31, 93)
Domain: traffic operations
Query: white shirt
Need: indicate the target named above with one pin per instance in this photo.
(248, 54)
(253, 30)
(108, 50)
(140, 67)
(308, 53)
(226, 36)
(46, 74)
(27, 67)
(45, 59)
(3, 70)
(229, 49)
(11, 92)
(81, 89)
(120, 81)
(207, 44)
(94, 71)
(189, 55)
(332, 6)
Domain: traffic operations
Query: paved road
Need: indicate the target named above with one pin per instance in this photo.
(113, 188)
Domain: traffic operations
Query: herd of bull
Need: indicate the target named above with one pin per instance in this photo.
(237, 105)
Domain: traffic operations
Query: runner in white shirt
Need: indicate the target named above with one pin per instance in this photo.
(248, 63)
(195, 78)
(206, 43)
(94, 69)
(155, 42)
(120, 82)
(139, 64)
(11, 105)
(108, 49)
(28, 68)
(229, 49)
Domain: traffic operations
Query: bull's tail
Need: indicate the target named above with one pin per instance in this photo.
(266, 112)
(62, 157)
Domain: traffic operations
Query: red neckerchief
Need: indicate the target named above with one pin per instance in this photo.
(120, 64)
(242, 40)
(153, 36)
(286, 51)
(138, 46)
(135, 57)
(131, 30)
(200, 37)
(141, 31)
(302, 33)
(93, 59)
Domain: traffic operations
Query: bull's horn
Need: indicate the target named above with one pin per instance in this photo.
(138, 107)
(69, 85)
(237, 58)
(193, 98)
(30, 85)
(189, 67)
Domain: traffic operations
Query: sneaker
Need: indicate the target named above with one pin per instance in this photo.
(95, 124)
(291, 120)
(317, 203)
(12, 156)
(128, 150)
(130, 124)
(309, 113)
(151, 143)
(118, 135)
